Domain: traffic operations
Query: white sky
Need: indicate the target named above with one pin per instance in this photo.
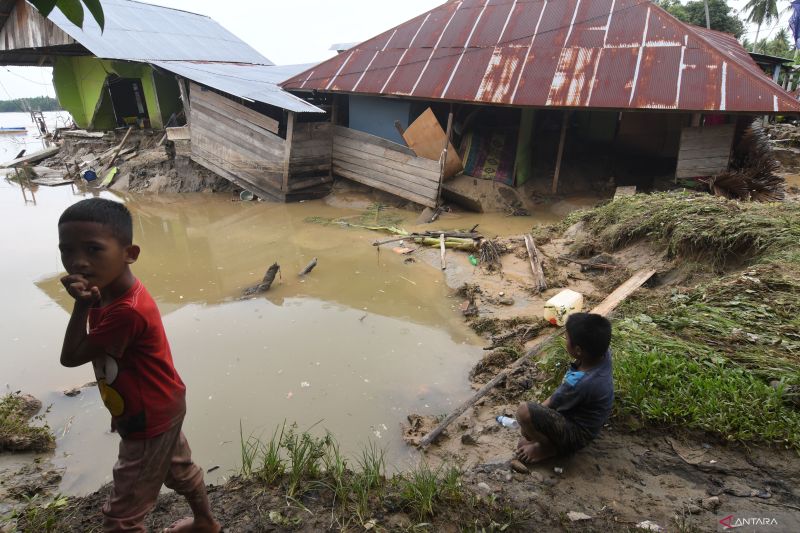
(286, 31)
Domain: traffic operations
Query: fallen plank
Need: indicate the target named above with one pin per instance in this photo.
(426, 138)
(52, 182)
(443, 251)
(31, 158)
(83, 134)
(539, 282)
(309, 267)
(182, 133)
(605, 308)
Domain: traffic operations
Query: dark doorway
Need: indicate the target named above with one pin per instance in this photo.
(127, 97)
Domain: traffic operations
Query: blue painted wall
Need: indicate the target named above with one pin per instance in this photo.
(375, 115)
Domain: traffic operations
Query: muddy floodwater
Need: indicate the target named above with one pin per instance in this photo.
(354, 347)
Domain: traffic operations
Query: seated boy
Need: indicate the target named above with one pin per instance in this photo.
(128, 348)
(572, 417)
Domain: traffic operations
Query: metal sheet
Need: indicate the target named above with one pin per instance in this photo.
(618, 54)
(252, 82)
(135, 31)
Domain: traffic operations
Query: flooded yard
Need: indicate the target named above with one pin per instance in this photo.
(354, 347)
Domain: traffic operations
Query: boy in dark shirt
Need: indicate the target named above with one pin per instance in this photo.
(572, 417)
(129, 351)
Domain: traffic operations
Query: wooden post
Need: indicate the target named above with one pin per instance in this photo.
(443, 158)
(443, 250)
(288, 150)
(184, 97)
(564, 124)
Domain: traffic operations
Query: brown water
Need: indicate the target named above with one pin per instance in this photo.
(354, 347)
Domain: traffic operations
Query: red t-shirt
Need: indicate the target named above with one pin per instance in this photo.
(137, 379)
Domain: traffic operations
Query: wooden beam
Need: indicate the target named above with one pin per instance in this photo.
(290, 118)
(539, 282)
(605, 308)
(443, 158)
(184, 97)
(564, 124)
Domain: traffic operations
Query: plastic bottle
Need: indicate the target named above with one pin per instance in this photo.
(473, 260)
(507, 422)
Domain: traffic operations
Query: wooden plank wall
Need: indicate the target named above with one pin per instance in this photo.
(227, 135)
(705, 151)
(310, 156)
(385, 165)
(26, 28)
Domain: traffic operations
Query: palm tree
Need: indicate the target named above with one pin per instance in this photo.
(761, 11)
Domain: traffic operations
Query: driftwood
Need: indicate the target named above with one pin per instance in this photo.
(118, 149)
(589, 264)
(443, 251)
(605, 308)
(309, 267)
(539, 282)
(266, 283)
(433, 235)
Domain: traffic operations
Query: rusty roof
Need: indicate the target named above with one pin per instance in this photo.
(615, 54)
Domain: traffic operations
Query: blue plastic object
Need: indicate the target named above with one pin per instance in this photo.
(89, 175)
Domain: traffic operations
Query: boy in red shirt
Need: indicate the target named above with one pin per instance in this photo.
(128, 348)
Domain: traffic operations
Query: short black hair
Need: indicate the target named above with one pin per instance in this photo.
(591, 332)
(112, 214)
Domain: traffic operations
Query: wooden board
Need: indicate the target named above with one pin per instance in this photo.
(377, 164)
(427, 139)
(179, 134)
(31, 158)
(210, 98)
(704, 151)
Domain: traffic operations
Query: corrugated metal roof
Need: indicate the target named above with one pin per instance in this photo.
(617, 54)
(135, 31)
(251, 82)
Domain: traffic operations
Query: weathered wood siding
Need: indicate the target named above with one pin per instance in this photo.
(310, 156)
(236, 142)
(705, 151)
(26, 28)
(385, 165)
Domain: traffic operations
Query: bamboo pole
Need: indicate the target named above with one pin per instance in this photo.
(605, 308)
(564, 124)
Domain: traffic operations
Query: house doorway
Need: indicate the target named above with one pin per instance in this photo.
(127, 99)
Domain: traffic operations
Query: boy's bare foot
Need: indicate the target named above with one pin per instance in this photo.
(534, 452)
(194, 525)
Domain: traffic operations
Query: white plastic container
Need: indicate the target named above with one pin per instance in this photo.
(563, 304)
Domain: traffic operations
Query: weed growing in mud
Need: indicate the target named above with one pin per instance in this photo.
(424, 487)
(16, 430)
(38, 517)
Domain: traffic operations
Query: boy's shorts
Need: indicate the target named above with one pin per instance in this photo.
(567, 436)
(142, 468)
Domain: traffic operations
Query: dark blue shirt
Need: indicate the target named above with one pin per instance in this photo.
(586, 397)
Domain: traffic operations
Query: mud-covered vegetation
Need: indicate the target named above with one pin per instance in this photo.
(20, 430)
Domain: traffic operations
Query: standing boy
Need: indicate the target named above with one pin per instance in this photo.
(128, 349)
(572, 417)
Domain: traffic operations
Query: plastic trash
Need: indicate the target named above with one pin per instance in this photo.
(563, 304)
(507, 422)
(89, 175)
(473, 260)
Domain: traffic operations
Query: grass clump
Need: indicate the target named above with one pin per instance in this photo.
(423, 489)
(40, 516)
(17, 429)
(694, 225)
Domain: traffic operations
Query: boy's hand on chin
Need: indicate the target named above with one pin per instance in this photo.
(78, 287)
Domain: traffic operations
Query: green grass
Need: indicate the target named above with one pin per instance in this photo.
(20, 432)
(423, 489)
(40, 516)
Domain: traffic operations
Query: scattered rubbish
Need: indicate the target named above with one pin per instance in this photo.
(212, 469)
(507, 422)
(246, 196)
(563, 304)
(305, 384)
(309, 267)
(109, 177)
(649, 526)
(402, 250)
(575, 516)
(370, 524)
(558, 470)
(473, 260)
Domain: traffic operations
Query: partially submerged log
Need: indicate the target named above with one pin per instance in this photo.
(266, 283)
(32, 158)
(605, 308)
(309, 267)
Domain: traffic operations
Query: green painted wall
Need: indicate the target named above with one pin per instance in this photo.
(80, 82)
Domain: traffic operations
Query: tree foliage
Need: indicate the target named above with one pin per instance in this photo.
(72, 9)
(37, 103)
(721, 15)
